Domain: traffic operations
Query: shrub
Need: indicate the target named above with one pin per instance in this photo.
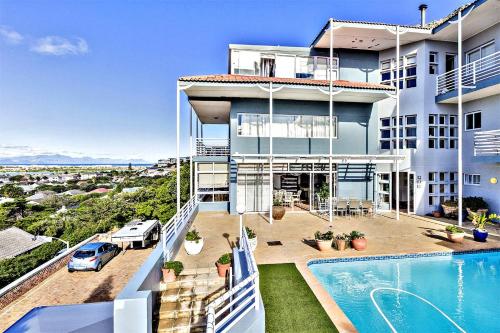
(356, 235)
(450, 203)
(345, 237)
(474, 203)
(454, 229)
(225, 259)
(277, 203)
(193, 235)
(318, 235)
(250, 233)
(177, 266)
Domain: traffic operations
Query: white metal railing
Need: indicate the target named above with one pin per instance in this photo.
(283, 65)
(212, 147)
(487, 143)
(472, 73)
(225, 311)
(176, 224)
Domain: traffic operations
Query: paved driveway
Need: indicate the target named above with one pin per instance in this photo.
(79, 287)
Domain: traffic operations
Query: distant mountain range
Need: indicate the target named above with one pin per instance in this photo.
(57, 159)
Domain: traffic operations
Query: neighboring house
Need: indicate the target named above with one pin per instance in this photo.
(14, 241)
(131, 189)
(72, 192)
(100, 190)
(295, 155)
(6, 200)
(41, 196)
(28, 188)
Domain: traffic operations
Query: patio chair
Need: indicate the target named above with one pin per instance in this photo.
(367, 207)
(322, 204)
(341, 207)
(288, 199)
(296, 196)
(355, 207)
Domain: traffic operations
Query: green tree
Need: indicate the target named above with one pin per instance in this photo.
(11, 191)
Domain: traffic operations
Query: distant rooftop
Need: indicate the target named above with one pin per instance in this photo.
(14, 241)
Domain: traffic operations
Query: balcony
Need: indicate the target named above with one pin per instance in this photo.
(283, 65)
(479, 79)
(487, 145)
(212, 147)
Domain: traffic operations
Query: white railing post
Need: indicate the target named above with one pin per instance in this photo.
(257, 294)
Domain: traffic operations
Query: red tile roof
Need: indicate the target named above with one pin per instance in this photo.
(232, 78)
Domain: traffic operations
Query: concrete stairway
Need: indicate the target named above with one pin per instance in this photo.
(183, 302)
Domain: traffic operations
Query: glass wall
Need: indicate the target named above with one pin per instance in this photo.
(212, 181)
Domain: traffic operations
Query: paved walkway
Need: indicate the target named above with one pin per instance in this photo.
(79, 287)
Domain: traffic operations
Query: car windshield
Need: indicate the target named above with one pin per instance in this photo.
(84, 253)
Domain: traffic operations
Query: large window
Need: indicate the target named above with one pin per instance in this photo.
(433, 63)
(407, 132)
(286, 126)
(472, 179)
(441, 186)
(443, 131)
(481, 52)
(473, 120)
(212, 181)
(407, 71)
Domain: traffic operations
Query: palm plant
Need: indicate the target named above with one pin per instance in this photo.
(481, 219)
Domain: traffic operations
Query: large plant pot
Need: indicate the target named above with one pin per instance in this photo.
(480, 235)
(222, 269)
(456, 237)
(168, 275)
(193, 247)
(359, 244)
(340, 244)
(253, 243)
(278, 212)
(324, 245)
(436, 214)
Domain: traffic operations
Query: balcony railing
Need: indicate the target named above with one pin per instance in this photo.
(283, 65)
(212, 147)
(472, 73)
(487, 143)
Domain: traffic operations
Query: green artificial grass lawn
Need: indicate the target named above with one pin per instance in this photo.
(289, 303)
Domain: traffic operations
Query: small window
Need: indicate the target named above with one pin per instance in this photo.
(411, 143)
(433, 69)
(433, 62)
(433, 57)
(432, 143)
(453, 120)
(386, 76)
(411, 83)
(386, 64)
(432, 176)
(385, 122)
(472, 179)
(411, 120)
(411, 131)
(385, 134)
(385, 144)
(432, 131)
(412, 71)
(442, 176)
(432, 119)
(442, 143)
(472, 121)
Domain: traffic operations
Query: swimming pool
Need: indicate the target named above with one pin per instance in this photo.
(416, 293)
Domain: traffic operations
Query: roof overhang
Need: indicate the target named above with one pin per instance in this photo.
(367, 36)
(211, 111)
(481, 15)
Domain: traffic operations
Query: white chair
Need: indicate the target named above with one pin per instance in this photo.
(355, 206)
(288, 199)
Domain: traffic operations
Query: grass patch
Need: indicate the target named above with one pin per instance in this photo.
(289, 302)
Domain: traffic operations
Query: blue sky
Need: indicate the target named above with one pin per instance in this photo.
(97, 78)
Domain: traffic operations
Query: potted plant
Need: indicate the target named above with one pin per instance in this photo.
(223, 264)
(450, 208)
(171, 269)
(193, 243)
(323, 240)
(358, 240)
(341, 241)
(455, 234)
(278, 210)
(474, 204)
(480, 220)
(252, 238)
(436, 213)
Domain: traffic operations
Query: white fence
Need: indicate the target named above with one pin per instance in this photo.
(487, 143)
(212, 147)
(224, 312)
(472, 73)
(175, 225)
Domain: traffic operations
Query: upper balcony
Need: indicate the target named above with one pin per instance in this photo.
(487, 145)
(480, 78)
(283, 65)
(212, 147)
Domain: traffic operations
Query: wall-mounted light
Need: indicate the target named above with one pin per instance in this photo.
(493, 180)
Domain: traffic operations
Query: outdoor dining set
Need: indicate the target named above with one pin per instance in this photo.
(350, 206)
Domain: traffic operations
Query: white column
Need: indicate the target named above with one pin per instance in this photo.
(460, 171)
(270, 153)
(330, 106)
(178, 163)
(397, 121)
(191, 153)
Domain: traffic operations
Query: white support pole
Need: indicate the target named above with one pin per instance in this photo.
(397, 121)
(178, 163)
(330, 107)
(460, 171)
(191, 153)
(270, 153)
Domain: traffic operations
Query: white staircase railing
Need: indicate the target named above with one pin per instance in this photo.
(225, 311)
(487, 143)
(175, 225)
(472, 73)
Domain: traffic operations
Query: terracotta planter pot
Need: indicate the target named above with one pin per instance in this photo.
(456, 237)
(436, 214)
(340, 244)
(359, 244)
(222, 269)
(324, 245)
(168, 275)
(278, 212)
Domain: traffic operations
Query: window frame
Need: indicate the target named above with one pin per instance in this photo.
(469, 179)
(478, 48)
(472, 113)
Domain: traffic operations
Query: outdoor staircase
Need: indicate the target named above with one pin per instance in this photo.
(183, 302)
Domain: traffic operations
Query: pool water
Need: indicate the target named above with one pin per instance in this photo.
(442, 293)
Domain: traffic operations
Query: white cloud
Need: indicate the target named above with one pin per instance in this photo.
(55, 45)
(10, 36)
